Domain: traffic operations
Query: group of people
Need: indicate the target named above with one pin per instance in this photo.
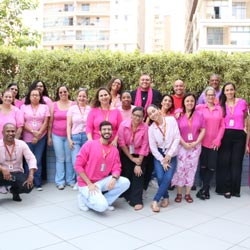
(113, 146)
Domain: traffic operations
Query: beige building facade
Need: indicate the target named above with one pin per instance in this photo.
(217, 25)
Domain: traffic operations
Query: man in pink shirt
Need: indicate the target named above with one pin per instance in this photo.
(98, 166)
(12, 152)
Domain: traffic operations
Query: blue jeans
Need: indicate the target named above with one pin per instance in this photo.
(64, 167)
(164, 177)
(38, 149)
(79, 140)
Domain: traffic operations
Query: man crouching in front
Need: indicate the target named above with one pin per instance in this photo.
(98, 167)
(12, 175)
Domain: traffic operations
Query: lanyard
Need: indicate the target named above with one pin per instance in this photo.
(163, 132)
(34, 110)
(190, 124)
(105, 153)
(10, 153)
(82, 113)
(106, 116)
(133, 133)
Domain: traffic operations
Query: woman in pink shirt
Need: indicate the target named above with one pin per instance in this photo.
(14, 88)
(10, 114)
(126, 107)
(133, 140)
(233, 145)
(164, 138)
(214, 124)
(102, 111)
(115, 87)
(76, 123)
(192, 129)
(36, 117)
(167, 105)
(57, 133)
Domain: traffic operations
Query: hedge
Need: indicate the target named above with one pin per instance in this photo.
(92, 69)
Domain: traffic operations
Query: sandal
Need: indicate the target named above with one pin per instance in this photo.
(165, 202)
(154, 206)
(188, 198)
(138, 207)
(178, 198)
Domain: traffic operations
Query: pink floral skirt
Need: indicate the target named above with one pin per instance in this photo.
(187, 162)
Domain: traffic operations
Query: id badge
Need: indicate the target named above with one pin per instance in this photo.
(34, 123)
(131, 149)
(231, 122)
(103, 167)
(190, 136)
(10, 167)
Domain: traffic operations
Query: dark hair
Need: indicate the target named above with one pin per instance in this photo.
(124, 92)
(57, 92)
(105, 123)
(95, 102)
(138, 108)
(172, 108)
(34, 86)
(183, 101)
(27, 98)
(109, 85)
(223, 97)
(14, 84)
(152, 106)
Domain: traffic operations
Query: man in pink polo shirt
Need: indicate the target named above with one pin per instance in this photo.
(98, 166)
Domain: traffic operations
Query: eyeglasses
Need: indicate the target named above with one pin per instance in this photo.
(212, 95)
(34, 95)
(63, 92)
(13, 89)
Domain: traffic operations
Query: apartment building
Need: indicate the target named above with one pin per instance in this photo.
(93, 24)
(217, 25)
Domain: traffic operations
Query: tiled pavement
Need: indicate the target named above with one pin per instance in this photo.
(51, 220)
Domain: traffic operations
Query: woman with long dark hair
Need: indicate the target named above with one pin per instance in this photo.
(233, 145)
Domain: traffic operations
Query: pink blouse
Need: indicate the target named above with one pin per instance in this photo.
(34, 119)
(98, 115)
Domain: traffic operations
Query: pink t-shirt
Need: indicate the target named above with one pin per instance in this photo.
(15, 116)
(214, 124)
(79, 118)
(18, 103)
(34, 119)
(126, 114)
(47, 100)
(190, 131)
(90, 160)
(97, 115)
(59, 126)
(234, 118)
(139, 140)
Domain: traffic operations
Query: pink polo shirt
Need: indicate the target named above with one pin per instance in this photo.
(126, 113)
(97, 115)
(90, 160)
(139, 140)
(59, 126)
(197, 123)
(79, 118)
(34, 119)
(15, 116)
(214, 124)
(237, 115)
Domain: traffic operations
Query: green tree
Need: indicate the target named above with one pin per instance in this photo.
(12, 30)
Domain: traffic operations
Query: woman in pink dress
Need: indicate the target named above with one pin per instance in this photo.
(101, 111)
(192, 129)
(233, 144)
(115, 87)
(10, 114)
(36, 117)
(57, 134)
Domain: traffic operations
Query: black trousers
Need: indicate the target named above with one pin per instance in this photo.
(230, 159)
(134, 193)
(17, 186)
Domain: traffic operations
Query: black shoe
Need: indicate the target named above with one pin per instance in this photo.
(171, 188)
(227, 195)
(207, 195)
(16, 197)
(193, 188)
(201, 194)
(236, 195)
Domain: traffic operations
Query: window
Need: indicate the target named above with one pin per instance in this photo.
(239, 10)
(215, 36)
(85, 7)
(240, 36)
(217, 12)
(68, 7)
